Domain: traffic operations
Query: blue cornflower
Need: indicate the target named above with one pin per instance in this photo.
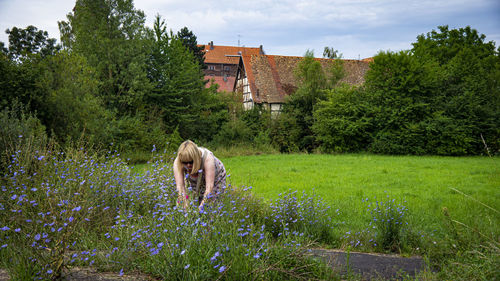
(187, 266)
(37, 237)
(222, 269)
(217, 254)
(5, 228)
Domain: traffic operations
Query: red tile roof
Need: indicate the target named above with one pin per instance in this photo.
(272, 78)
(223, 85)
(222, 54)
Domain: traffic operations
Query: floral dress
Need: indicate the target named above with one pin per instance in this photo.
(219, 180)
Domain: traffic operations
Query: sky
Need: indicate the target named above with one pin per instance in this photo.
(356, 28)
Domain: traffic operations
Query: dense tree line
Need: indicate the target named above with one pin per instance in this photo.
(112, 81)
(441, 97)
(115, 82)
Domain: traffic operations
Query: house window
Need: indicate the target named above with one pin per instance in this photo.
(211, 67)
(227, 68)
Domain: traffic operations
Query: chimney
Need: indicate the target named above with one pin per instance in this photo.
(211, 45)
(261, 50)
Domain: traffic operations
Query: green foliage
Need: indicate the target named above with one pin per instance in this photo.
(139, 132)
(22, 83)
(331, 53)
(293, 128)
(343, 123)
(234, 132)
(111, 36)
(58, 199)
(388, 219)
(441, 97)
(189, 41)
(179, 91)
(248, 128)
(400, 90)
(174, 140)
(286, 133)
(19, 131)
(72, 108)
(28, 41)
(290, 213)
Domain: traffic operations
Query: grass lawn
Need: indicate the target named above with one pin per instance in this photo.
(424, 184)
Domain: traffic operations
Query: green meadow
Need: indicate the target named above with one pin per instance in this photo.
(466, 189)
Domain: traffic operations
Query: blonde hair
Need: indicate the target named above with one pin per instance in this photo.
(188, 151)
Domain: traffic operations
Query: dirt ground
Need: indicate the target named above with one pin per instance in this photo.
(368, 266)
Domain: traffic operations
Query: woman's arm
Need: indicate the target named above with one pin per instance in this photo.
(179, 182)
(209, 170)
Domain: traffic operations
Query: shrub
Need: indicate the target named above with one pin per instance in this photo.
(49, 201)
(304, 215)
(389, 221)
(19, 131)
(343, 122)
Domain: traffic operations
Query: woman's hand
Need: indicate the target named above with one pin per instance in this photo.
(184, 200)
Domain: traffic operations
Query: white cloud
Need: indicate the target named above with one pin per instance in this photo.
(288, 27)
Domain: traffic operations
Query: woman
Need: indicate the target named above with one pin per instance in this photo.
(204, 173)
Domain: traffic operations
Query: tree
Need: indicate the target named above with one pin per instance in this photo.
(189, 40)
(72, 107)
(111, 36)
(468, 98)
(331, 53)
(314, 80)
(343, 122)
(179, 90)
(29, 41)
(437, 98)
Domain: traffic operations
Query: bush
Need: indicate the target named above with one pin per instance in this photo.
(19, 131)
(343, 122)
(389, 221)
(49, 202)
(304, 215)
(234, 132)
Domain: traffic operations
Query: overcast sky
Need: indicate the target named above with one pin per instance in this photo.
(357, 28)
